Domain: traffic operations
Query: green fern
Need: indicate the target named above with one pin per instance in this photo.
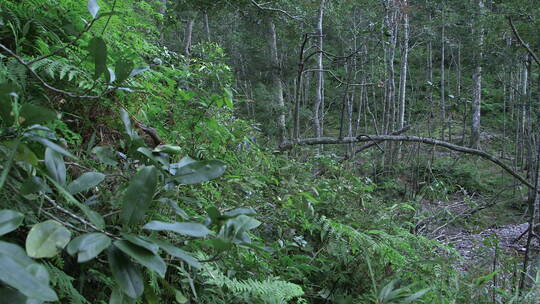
(269, 291)
(59, 69)
(64, 285)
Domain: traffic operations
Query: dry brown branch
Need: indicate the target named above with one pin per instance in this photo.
(287, 145)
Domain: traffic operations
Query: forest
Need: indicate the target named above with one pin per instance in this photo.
(270, 151)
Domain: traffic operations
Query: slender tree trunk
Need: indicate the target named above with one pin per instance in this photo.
(207, 27)
(162, 11)
(318, 108)
(443, 95)
(404, 70)
(188, 37)
(390, 87)
(477, 80)
(277, 84)
(430, 81)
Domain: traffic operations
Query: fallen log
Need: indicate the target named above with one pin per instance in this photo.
(287, 145)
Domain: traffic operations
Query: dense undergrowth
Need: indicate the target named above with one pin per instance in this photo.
(106, 214)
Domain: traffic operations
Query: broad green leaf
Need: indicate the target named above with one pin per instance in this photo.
(228, 97)
(174, 205)
(118, 297)
(245, 223)
(94, 217)
(88, 246)
(9, 162)
(111, 76)
(9, 221)
(137, 71)
(123, 68)
(173, 168)
(138, 195)
(235, 229)
(24, 154)
(126, 274)
(12, 296)
(177, 253)
(127, 125)
(214, 214)
(49, 144)
(239, 211)
(34, 184)
(415, 296)
(93, 8)
(148, 245)
(6, 92)
(144, 257)
(190, 229)
(179, 297)
(28, 280)
(55, 166)
(169, 149)
(31, 114)
(220, 244)
(46, 239)
(162, 159)
(105, 155)
(98, 51)
(16, 253)
(200, 171)
(85, 182)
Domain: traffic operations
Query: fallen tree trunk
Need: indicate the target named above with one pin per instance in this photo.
(287, 145)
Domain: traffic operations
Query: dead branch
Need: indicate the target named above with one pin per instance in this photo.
(259, 6)
(525, 45)
(287, 145)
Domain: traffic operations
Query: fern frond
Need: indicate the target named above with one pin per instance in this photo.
(269, 291)
(64, 284)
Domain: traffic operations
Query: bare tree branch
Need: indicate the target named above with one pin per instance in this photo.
(337, 78)
(525, 45)
(287, 145)
(274, 10)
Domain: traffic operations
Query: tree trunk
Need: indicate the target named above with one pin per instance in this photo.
(277, 84)
(187, 38)
(317, 108)
(404, 70)
(477, 80)
(207, 28)
(443, 95)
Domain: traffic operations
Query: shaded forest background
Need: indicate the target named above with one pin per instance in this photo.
(366, 151)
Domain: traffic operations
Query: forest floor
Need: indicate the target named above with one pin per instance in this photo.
(474, 235)
(479, 248)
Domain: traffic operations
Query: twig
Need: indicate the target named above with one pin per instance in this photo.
(274, 10)
(76, 217)
(337, 78)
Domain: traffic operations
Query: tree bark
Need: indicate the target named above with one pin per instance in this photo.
(477, 80)
(277, 84)
(188, 37)
(404, 70)
(207, 27)
(443, 95)
(317, 107)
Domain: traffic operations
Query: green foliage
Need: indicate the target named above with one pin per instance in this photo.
(269, 291)
(202, 213)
